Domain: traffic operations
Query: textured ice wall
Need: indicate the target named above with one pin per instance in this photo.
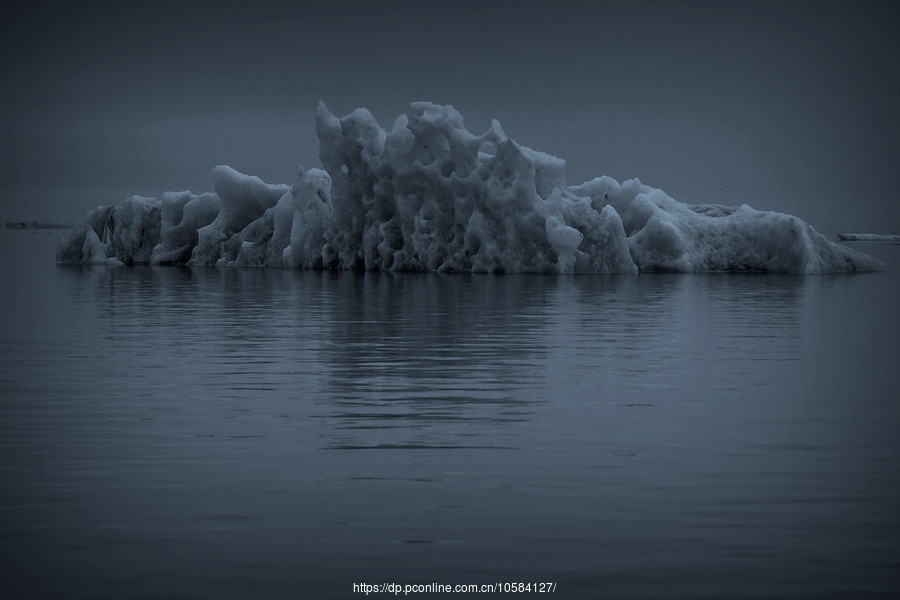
(428, 195)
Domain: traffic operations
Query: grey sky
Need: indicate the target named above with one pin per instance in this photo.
(787, 106)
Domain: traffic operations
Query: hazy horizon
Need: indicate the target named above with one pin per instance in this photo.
(784, 106)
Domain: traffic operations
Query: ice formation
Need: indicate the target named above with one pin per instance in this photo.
(428, 195)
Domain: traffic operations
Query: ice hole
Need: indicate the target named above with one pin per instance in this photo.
(488, 149)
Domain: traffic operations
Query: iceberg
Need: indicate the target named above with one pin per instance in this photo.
(428, 195)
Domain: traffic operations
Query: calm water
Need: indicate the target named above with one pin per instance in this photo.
(175, 433)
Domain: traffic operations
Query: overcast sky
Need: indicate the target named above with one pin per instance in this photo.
(788, 106)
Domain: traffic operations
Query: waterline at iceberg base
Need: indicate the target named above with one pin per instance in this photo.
(428, 195)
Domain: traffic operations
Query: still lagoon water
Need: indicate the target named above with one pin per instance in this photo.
(244, 433)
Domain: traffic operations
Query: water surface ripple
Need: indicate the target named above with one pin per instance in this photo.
(205, 433)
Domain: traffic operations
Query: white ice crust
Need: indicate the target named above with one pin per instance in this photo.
(428, 195)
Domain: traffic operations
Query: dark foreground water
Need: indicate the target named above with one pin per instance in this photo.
(176, 433)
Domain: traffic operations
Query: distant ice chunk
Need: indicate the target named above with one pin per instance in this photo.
(34, 225)
(869, 237)
(428, 195)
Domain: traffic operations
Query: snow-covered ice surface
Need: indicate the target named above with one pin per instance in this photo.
(428, 195)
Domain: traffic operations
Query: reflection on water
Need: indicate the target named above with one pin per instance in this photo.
(430, 362)
(218, 433)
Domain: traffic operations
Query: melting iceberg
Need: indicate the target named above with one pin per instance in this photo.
(428, 195)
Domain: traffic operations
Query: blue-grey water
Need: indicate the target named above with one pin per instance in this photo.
(207, 433)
